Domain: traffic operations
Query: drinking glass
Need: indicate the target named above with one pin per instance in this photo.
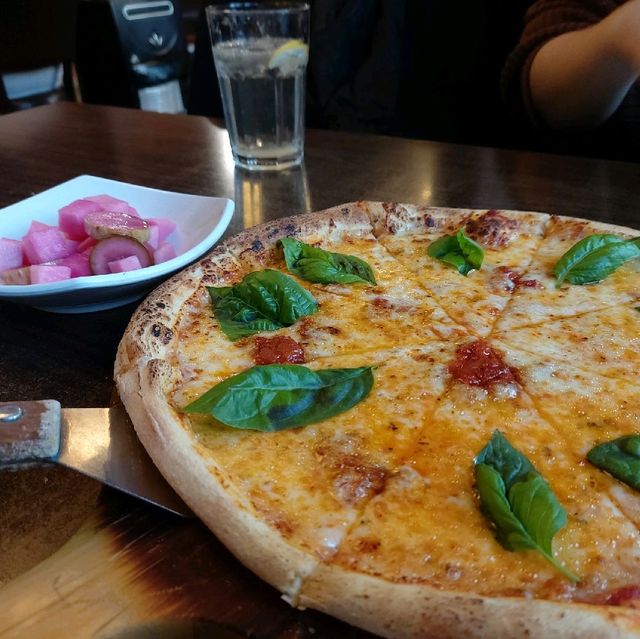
(260, 51)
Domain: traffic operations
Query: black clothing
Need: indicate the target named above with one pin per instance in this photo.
(416, 68)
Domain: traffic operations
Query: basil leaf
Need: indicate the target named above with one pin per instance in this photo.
(516, 498)
(471, 250)
(458, 250)
(501, 455)
(264, 301)
(280, 396)
(534, 504)
(317, 265)
(620, 457)
(496, 506)
(594, 258)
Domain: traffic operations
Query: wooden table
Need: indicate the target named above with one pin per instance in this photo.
(78, 560)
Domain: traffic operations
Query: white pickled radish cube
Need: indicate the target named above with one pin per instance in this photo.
(164, 253)
(45, 273)
(131, 263)
(10, 253)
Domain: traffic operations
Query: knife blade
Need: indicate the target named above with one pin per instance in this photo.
(98, 442)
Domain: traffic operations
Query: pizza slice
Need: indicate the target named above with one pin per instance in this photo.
(549, 300)
(423, 545)
(586, 408)
(300, 488)
(338, 327)
(366, 313)
(342, 319)
(507, 240)
(604, 342)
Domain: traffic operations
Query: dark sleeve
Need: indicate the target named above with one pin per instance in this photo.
(545, 20)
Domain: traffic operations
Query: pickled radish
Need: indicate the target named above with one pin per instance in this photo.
(109, 203)
(39, 226)
(86, 245)
(78, 263)
(96, 235)
(104, 224)
(47, 245)
(131, 263)
(117, 248)
(11, 254)
(165, 227)
(18, 276)
(45, 273)
(71, 217)
(164, 253)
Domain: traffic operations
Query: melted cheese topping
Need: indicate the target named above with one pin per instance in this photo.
(387, 488)
(606, 342)
(427, 526)
(594, 409)
(310, 483)
(546, 302)
(350, 319)
(475, 301)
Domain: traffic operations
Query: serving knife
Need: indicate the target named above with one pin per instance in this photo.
(98, 442)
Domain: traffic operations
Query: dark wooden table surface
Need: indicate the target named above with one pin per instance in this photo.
(187, 581)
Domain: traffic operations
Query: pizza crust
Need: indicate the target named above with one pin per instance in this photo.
(146, 372)
(206, 488)
(411, 611)
(257, 245)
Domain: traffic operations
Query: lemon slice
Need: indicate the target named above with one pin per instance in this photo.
(288, 57)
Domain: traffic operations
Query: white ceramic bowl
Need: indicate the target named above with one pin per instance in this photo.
(200, 221)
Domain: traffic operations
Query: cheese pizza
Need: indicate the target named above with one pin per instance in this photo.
(423, 421)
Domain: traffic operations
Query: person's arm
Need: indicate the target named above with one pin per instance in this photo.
(579, 78)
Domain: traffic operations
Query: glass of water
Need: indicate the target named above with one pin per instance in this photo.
(260, 51)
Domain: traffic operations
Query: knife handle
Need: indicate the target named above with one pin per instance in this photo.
(29, 432)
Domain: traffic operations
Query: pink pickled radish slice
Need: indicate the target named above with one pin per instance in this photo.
(116, 248)
(86, 245)
(10, 253)
(107, 223)
(47, 245)
(164, 253)
(78, 263)
(109, 203)
(131, 263)
(39, 226)
(45, 273)
(71, 217)
(165, 227)
(154, 238)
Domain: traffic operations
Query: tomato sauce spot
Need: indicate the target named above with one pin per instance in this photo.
(624, 596)
(381, 302)
(479, 364)
(508, 279)
(277, 350)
